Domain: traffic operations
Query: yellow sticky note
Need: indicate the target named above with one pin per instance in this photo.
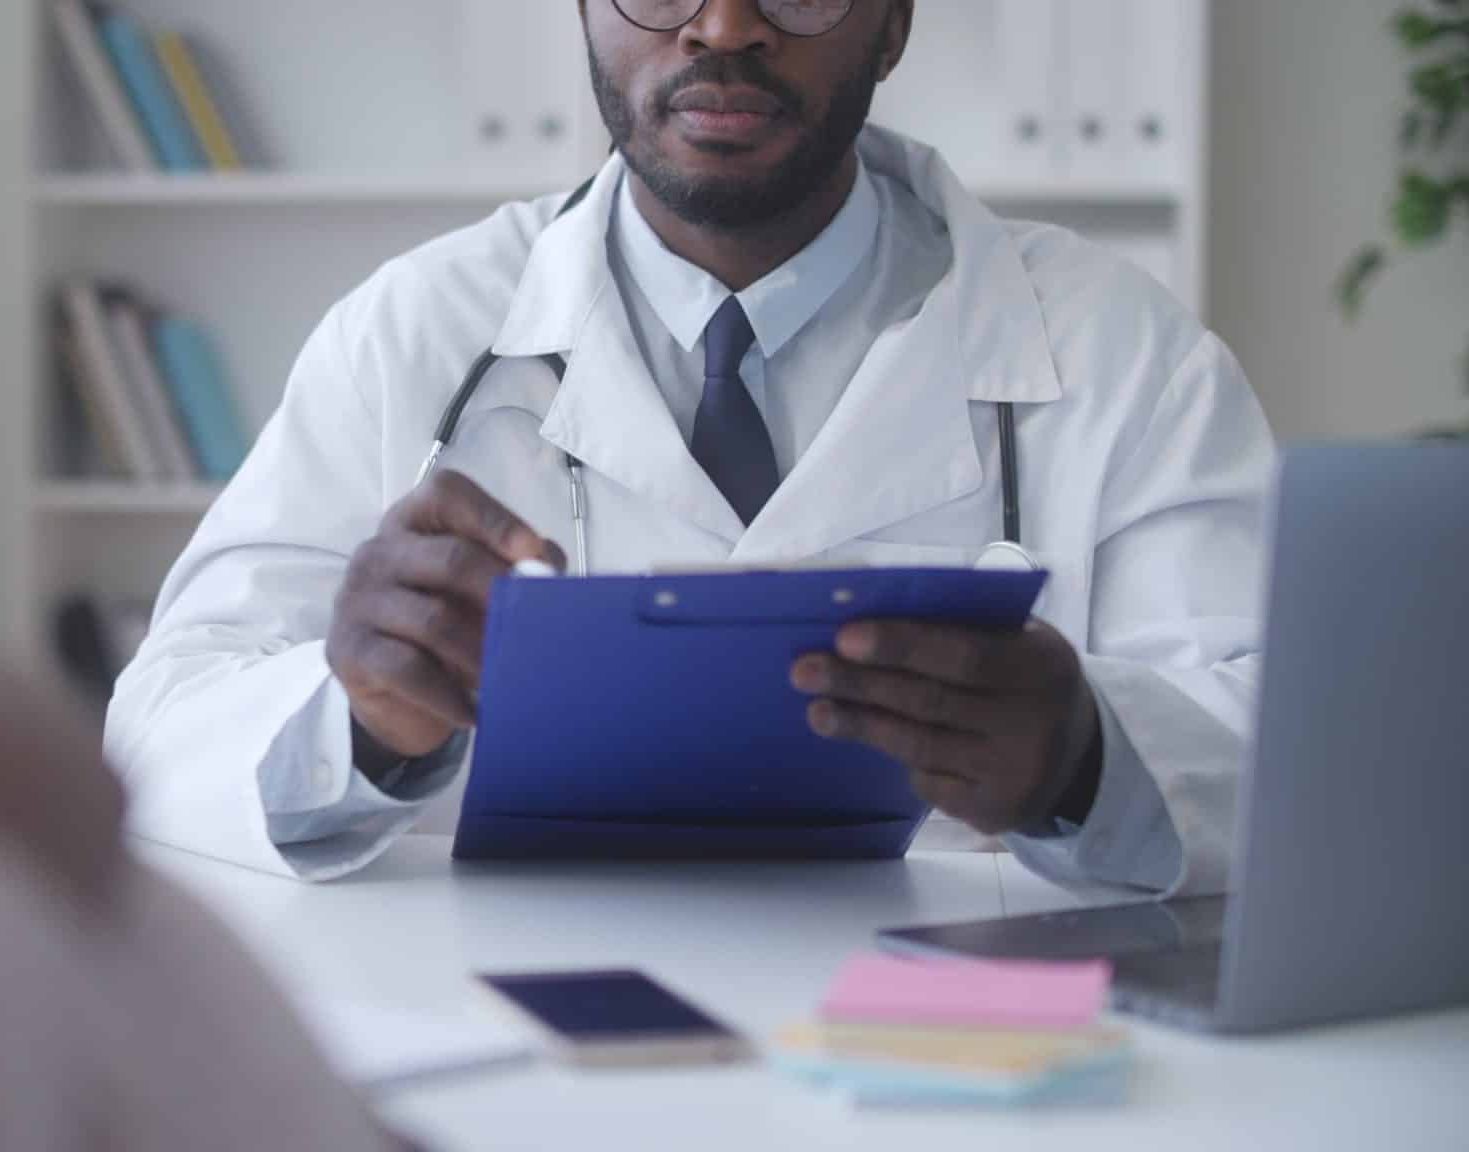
(981, 1052)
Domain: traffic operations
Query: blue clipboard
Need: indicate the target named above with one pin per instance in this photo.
(653, 717)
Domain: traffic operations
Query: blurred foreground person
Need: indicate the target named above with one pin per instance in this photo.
(129, 1018)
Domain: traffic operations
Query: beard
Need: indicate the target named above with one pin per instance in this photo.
(733, 204)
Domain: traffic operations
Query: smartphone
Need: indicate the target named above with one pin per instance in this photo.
(617, 1019)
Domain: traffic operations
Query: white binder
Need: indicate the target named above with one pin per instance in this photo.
(1155, 124)
(524, 68)
(947, 92)
(1031, 132)
(1094, 34)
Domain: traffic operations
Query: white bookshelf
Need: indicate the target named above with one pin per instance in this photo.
(116, 498)
(267, 189)
(387, 123)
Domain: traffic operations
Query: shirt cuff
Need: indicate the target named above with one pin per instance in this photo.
(320, 798)
(1128, 839)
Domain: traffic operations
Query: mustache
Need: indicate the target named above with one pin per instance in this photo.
(745, 71)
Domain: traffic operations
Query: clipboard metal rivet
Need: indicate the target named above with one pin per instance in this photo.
(843, 596)
(666, 599)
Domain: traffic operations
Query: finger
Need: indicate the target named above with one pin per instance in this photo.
(444, 565)
(967, 657)
(554, 556)
(919, 698)
(450, 632)
(450, 504)
(951, 795)
(406, 673)
(919, 747)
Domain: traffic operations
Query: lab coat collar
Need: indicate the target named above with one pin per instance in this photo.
(685, 297)
(610, 415)
(608, 412)
(566, 272)
(900, 440)
(1004, 351)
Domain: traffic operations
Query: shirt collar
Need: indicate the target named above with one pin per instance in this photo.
(999, 326)
(685, 297)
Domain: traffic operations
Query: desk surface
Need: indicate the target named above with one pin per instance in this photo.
(757, 944)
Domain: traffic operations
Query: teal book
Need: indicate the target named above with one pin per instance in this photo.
(147, 84)
(201, 396)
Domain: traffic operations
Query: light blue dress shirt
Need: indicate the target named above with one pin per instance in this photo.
(670, 302)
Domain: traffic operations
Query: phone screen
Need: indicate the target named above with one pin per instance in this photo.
(599, 1007)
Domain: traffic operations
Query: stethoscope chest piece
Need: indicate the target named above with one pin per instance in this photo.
(1006, 556)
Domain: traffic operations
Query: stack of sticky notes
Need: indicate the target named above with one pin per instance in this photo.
(955, 1032)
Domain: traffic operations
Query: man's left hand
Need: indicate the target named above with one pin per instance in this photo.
(999, 730)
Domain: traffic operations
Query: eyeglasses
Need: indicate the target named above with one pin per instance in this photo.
(793, 17)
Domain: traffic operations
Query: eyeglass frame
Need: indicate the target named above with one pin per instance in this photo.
(699, 11)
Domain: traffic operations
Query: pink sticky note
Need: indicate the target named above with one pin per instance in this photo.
(998, 994)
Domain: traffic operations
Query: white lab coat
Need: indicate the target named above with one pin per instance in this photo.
(1144, 463)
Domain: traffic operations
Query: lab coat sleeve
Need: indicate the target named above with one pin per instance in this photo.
(314, 836)
(1174, 650)
(229, 720)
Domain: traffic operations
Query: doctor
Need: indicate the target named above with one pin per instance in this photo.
(786, 338)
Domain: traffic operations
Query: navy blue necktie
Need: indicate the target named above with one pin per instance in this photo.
(731, 441)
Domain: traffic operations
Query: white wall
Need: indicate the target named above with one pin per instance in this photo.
(14, 129)
(1307, 95)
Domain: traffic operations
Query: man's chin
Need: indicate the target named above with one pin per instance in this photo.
(695, 158)
(715, 185)
(724, 203)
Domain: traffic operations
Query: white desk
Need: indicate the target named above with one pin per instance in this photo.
(757, 944)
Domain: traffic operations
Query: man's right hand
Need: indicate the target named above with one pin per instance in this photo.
(409, 621)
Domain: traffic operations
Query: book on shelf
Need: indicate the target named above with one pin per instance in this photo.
(203, 400)
(160, 98)
(147, 389)
(103, 381)
(152, 402)
(93, 65)
(82, 442)
(136, 61)
(185, 72)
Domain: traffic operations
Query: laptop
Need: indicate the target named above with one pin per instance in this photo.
(1351, 872)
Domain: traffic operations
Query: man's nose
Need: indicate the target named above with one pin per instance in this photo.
(729, 27)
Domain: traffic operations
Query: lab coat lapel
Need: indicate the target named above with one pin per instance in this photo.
(610, 415)
(899, 442)
(999, 332)
(608, 412)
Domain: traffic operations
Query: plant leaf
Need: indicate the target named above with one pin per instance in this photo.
(1422, 211)
(1358, 277)
(1444, 124)
(1415, 28)
(1412, 130)
(1437, 86)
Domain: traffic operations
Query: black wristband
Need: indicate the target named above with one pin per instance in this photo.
(1075, 805)
(383, 767)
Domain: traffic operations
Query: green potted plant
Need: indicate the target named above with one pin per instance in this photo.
(1433, 185)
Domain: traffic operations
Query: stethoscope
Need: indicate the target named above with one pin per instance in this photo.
(1005, 554)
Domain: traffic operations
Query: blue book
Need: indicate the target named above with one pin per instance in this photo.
(131, 50)
(196, 380)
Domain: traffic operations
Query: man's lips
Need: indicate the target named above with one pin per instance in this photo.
(739, 116)
(721, 101)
